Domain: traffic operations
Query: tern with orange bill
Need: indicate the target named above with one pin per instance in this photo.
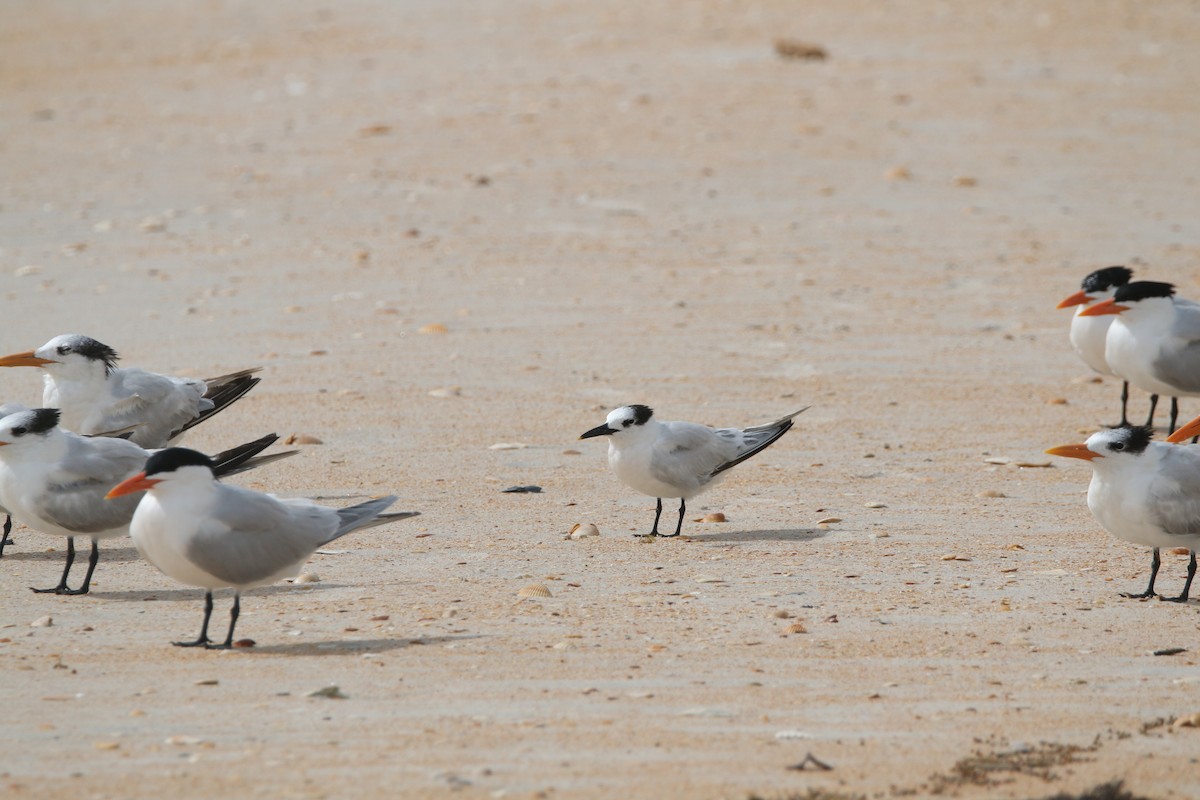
(678, 459)
(96, 396)
(1088, 332)
(1153, 341)
(55, 481)
(1144, 492)
(206, 534)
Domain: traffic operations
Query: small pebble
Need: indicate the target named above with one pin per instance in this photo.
(508, 446)
(244, 643)
(307, 577)
(781, 613)
(433, 327)
(206, 682)
(449, 391)
(106, 745)
(716, 516)
(42, 622)
(874, 505)
(530, 489)
(991, 493)
(571, 453)
(302, 438)
(331, 692)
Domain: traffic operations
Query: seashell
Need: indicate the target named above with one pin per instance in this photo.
(801, 51)
(571, 453)
(307, 577)
(965, 180)
(206, 682)
(898, 173)
(781, 614)
(507, 446)
(828, 520)
(580, 530)
(42, 622)
(795, 627)
(1189, 721)
(716, 516)
(874, 505)
(302, 438)
(709, 579)
(106, 745)
(245, 643)
(1180, 551)
(449, 391)
(1034, 464)
(152, 225)
(534, 590)
(999, 461)
(433, 327)
(991, 493)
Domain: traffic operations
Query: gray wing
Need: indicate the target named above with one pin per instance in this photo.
(74, 496)
(1175, 496)
(251, 536)
(1179, 361)
(752, 441)
(155, 404)
(686, 455)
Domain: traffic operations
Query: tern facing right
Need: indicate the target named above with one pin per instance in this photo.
(207, 534)
(1144, 492)
(1088, 333)
(678, 459)
(96, 396)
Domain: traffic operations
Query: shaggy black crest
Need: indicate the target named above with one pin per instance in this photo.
(1141, 290)
(1135, 439)
(641, 414)
(174, 458)
(40, 420)
(88, 347)
(1108, 278)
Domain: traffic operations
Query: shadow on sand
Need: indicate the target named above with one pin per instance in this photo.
(197, 595)
(83, 545)
(793, 535)
(355, 646)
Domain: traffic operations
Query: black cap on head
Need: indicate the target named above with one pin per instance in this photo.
(1135, 439)
(1108, 278)
(37, 420)
(174, 458)
(1142, 290)
(641, 414)
(88, 347)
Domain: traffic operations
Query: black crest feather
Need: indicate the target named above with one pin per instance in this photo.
(641, 414)
(1141, 290)
(41, 420)
(174, 458)
(1108, 278)
(1136, 438)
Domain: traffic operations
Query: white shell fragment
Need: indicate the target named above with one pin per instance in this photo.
(582, 530)
(508, 446)
(307, 577)
(42, 622)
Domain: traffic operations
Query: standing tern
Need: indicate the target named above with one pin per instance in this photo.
(1088, 333)
(1153, 341)
(55, 481)
(677, 459)
(1144, 492)
(206, 534)
(96, 396)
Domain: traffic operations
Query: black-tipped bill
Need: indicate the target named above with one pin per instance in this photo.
(599, 430)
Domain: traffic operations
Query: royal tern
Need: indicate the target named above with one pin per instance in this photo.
(1088, 333)
(677, 459)
(206, 534)
(95, 395)
(55, 481)
(1144, 492)
(1153, 341)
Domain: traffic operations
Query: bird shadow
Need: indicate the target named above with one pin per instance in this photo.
(343, 647)
(198, 594)
(118, 555)
(778, 535)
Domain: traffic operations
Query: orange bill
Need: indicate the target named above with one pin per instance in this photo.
(26, 359)
(1077, 299)
(1074, 451)
(134, 483)
(1109, 306)
(1185, 432)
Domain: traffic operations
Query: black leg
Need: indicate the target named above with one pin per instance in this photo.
(4, 540)
(1174, 415)
(1124, 403)
(87, 579)
(62, 582)
(679, 525)
(203, 641)
(1155, 562)
(657, 514)
(1187, 587)
(233, 617)
(1153, 405)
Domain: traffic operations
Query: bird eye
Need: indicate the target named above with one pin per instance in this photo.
(1118, 446)
(19, 431)
(626, 423)
(63, 349)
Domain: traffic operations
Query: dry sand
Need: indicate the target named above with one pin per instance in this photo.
(606, 203)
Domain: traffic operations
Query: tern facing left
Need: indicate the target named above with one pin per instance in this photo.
(1088, 333)
(96, 396)
(1144, 492)
(678, 459)
(207, 534)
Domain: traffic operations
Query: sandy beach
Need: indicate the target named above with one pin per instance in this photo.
(441, 227)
